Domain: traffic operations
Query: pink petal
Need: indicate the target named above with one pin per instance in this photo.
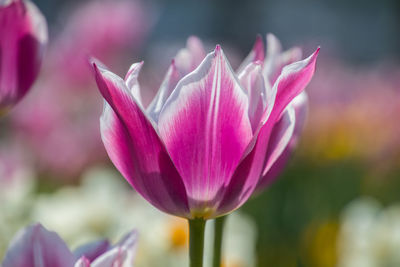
(23, 32)
(256, 54)
(35, 246)
(92, 250)
(167, 86)
(252, 80)
(129, 240)
(82, 262)
(280, 136)
(190, 57)
(205, 127)
(273, 169)
(185, 61)
(291, 82)
(135, 148)
(276, 59)
(121, 255)
(131, 80)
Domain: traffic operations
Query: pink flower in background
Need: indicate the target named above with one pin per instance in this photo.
(23, 32)
(346, 101)
(200, 147)
(87, 33)
(35, 246)
(66, 102)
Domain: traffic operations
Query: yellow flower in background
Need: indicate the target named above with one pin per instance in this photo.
(320, 243)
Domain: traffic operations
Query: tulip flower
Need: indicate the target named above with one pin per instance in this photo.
(199, 149)
(35, 246)
(23, 34)
(199, 152)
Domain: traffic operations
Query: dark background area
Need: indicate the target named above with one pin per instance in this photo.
(359, 31)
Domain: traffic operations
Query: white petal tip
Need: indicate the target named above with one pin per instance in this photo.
(134, 69)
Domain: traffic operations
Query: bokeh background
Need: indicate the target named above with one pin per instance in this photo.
(336, 204)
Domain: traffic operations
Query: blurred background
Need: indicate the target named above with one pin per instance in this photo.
(336, 204)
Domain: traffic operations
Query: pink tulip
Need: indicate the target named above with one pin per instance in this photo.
(23, 34)
(34, 246)
(66, 102)
(200, 151)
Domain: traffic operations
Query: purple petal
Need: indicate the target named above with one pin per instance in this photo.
(23, 32)
(92, 250)
(291, 82)
(129, 240)
(35, 246)
(167, 86)
(205, 127)
(190, 57)
(121, 255)
(272, 170)
(82, 262)
(256, 54)
(135, 148)
(252, 80)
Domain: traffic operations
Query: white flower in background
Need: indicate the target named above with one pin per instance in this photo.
(86, 212)
(369, 235)
(103, 206)
(238, 244)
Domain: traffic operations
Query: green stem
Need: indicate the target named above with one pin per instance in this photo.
(196, 242)
(218, 237)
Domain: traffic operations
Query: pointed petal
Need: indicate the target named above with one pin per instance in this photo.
(274, 49)
(121, 255)
(273, 169)
(185, 61)
(129, 240)
(190, 57)
(113, 257)
(205, 122)
(35, 246)
(252, 80)
(276, 59)
(167, 86)
(135, 148)
(92, 250)
(196, 48)
(82, 262)
(291, 82)
(131, 80)
(23, 32)
(256, 54)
